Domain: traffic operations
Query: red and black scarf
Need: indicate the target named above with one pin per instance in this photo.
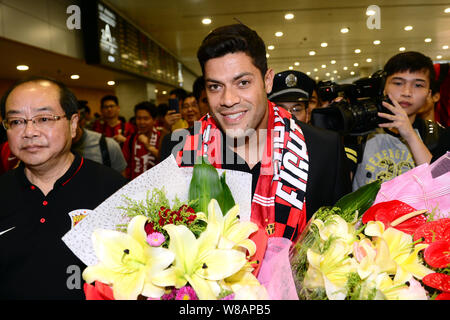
(278, 204)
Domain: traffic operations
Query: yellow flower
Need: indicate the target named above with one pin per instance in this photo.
(127, 262)
(401, 250)
(394, 290)
(335, 226)
(233, 232)
(330, 270)
(198, 261)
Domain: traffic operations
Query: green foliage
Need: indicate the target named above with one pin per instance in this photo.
(206, 185)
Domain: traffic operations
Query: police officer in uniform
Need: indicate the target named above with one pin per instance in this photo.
(292, 90)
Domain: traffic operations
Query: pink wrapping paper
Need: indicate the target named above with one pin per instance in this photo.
(276, 273)
(424, 187)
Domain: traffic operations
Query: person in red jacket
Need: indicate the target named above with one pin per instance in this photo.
(141, 150)
(8, 160)
(111, 125)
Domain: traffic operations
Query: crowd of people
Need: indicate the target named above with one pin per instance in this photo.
(240, 114)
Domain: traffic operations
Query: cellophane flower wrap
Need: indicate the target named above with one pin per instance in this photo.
(190, 250)
(358, 250)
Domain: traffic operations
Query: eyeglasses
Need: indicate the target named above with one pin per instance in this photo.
(41, 121)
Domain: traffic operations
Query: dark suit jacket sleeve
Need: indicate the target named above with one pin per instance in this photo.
(328, 176)
(173, 142)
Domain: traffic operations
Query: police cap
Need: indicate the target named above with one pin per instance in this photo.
(290, 86)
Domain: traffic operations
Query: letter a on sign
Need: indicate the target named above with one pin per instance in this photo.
(374, 19)
(74, 20)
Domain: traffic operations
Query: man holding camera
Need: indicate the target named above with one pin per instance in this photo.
(404, 140)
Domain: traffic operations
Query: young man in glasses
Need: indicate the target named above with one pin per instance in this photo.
(39, 197)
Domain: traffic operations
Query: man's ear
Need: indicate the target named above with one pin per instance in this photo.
(74, 124)
(268, 80)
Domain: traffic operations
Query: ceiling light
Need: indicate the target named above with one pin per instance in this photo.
(324, 44)
(156, 90)
(271, 47)
(267, 55)
(439, 57)
(315, 69)
(206, 21)
(332, 78)
(345, 30)
(352, 73)
(289, 16)
(333, 61)
(75, 77)
(308, 73)
(356, 64)
(447, 10)
(111, 83)
(345, 68)
(376, 42)
(317, 78)
(334, 71)
(291, 67)
(22, 67)
(427, 40)
(408, 28)
(401, 49)
(164, 92)
(357, 50)
(324, 66)
(327, 74)
(297, 63)
(368, 60)
(311, 53)
(278, 34)
(445, 47)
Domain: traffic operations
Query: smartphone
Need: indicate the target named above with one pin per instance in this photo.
(174, 105)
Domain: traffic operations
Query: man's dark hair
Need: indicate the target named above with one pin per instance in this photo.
(410, 61)
(232, 39)
(198, 87)
(180, 93)
(162, 109)
(109, 97)
(147, 106)
(67, 99)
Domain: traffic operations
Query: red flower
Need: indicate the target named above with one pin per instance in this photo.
(437, 254)
(149, 228)
(99, 291)
(434, 231)
(438, 281)
(395, 214)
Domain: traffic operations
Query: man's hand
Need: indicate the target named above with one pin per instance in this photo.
(401, 122)
(398, 119)
(119, 137)
(171, 117)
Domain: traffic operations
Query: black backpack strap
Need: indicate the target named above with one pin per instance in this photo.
(104, 150)
(430, 132)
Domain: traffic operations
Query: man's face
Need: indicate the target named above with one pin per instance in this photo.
(203, 104)
(144, 121)
(39, 145)
(409, 89)
(110, 109)
(298, 109)
(190, 111)
(237, 93)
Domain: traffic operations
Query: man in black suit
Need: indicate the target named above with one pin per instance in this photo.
(292, 163)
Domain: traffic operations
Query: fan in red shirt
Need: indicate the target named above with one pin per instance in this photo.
(141, 150)
(8, 160)
(110, 124)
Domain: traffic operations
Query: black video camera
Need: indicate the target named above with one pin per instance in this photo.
(357, 112)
